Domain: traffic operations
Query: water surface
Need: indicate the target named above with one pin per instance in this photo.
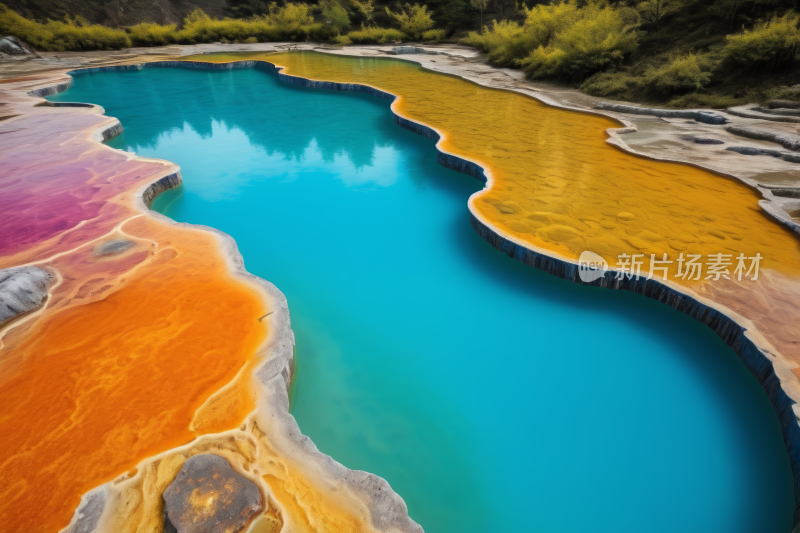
(491, 396)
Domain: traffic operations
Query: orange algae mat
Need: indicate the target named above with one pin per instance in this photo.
(557, 185)
(131, 344)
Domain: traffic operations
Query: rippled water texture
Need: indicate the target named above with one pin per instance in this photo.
(491, 396)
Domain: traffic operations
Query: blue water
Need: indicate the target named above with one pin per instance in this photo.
(491, 396)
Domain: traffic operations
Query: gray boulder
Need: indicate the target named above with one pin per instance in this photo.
(11, 46)
(208, 496)
(22, 290)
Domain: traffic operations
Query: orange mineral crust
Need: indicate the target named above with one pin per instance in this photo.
(147, 339)
(556, 185)
(92, 389)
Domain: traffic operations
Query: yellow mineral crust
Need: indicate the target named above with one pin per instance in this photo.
(556, 185)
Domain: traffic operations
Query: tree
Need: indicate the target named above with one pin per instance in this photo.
(365, 9)
(480, 5)
(334, 14)
(652, 12)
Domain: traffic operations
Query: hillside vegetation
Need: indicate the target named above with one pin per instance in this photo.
(682, 53)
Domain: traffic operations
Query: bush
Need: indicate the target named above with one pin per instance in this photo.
(560, 40)
(598, 40)
(375, 35)
(150, 34)
(334, 14)
(292, 22)
(506, 43)
(414, 20)
(774, 42)
(434, 35)
(71, 34)
(614, 84)
(681, 75)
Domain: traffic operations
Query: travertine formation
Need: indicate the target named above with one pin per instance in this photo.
(142, 303)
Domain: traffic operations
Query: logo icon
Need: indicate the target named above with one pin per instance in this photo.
(591, 267)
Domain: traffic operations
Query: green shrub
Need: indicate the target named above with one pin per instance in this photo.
(292, 22)
(681, 75)
(560, 40)
(774, 42)
(71, 34)
(505, 43)
(434, 35)
(612, 84)
(713, 101)
(334, 14)
(600, 39)
(370, 35)
(150, 34)
(365, 10)
(341, 40)
(413, 20)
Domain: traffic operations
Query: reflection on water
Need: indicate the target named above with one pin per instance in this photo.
(491, 396)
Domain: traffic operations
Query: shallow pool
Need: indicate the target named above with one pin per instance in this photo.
(491, 396)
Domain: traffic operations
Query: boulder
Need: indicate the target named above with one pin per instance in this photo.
(208, 496)
(11, 46)
(22, 290)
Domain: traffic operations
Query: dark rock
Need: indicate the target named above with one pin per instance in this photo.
(208, 496)
(114, 247)
(792, 142)
(749, 150)
(705, 140)
(402, 50)
(707, 117)
(14, 47)
(784, 104)
(22, 290)
(779, 111)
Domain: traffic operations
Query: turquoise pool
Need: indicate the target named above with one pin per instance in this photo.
(491, 396)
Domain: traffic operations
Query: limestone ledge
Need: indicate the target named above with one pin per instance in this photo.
(275, 375)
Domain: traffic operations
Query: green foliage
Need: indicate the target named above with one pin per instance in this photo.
(560, 40)
(774, 42)
(334, 14)
(341, 40)
(434, 35)
(506, 43)
(369, 35)
(149, 34)
(598, 40)
(612, 84)
(682, 74)
(365, 10)
(71, 34)
(291, 22)
(413, 20)
(653, 12)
